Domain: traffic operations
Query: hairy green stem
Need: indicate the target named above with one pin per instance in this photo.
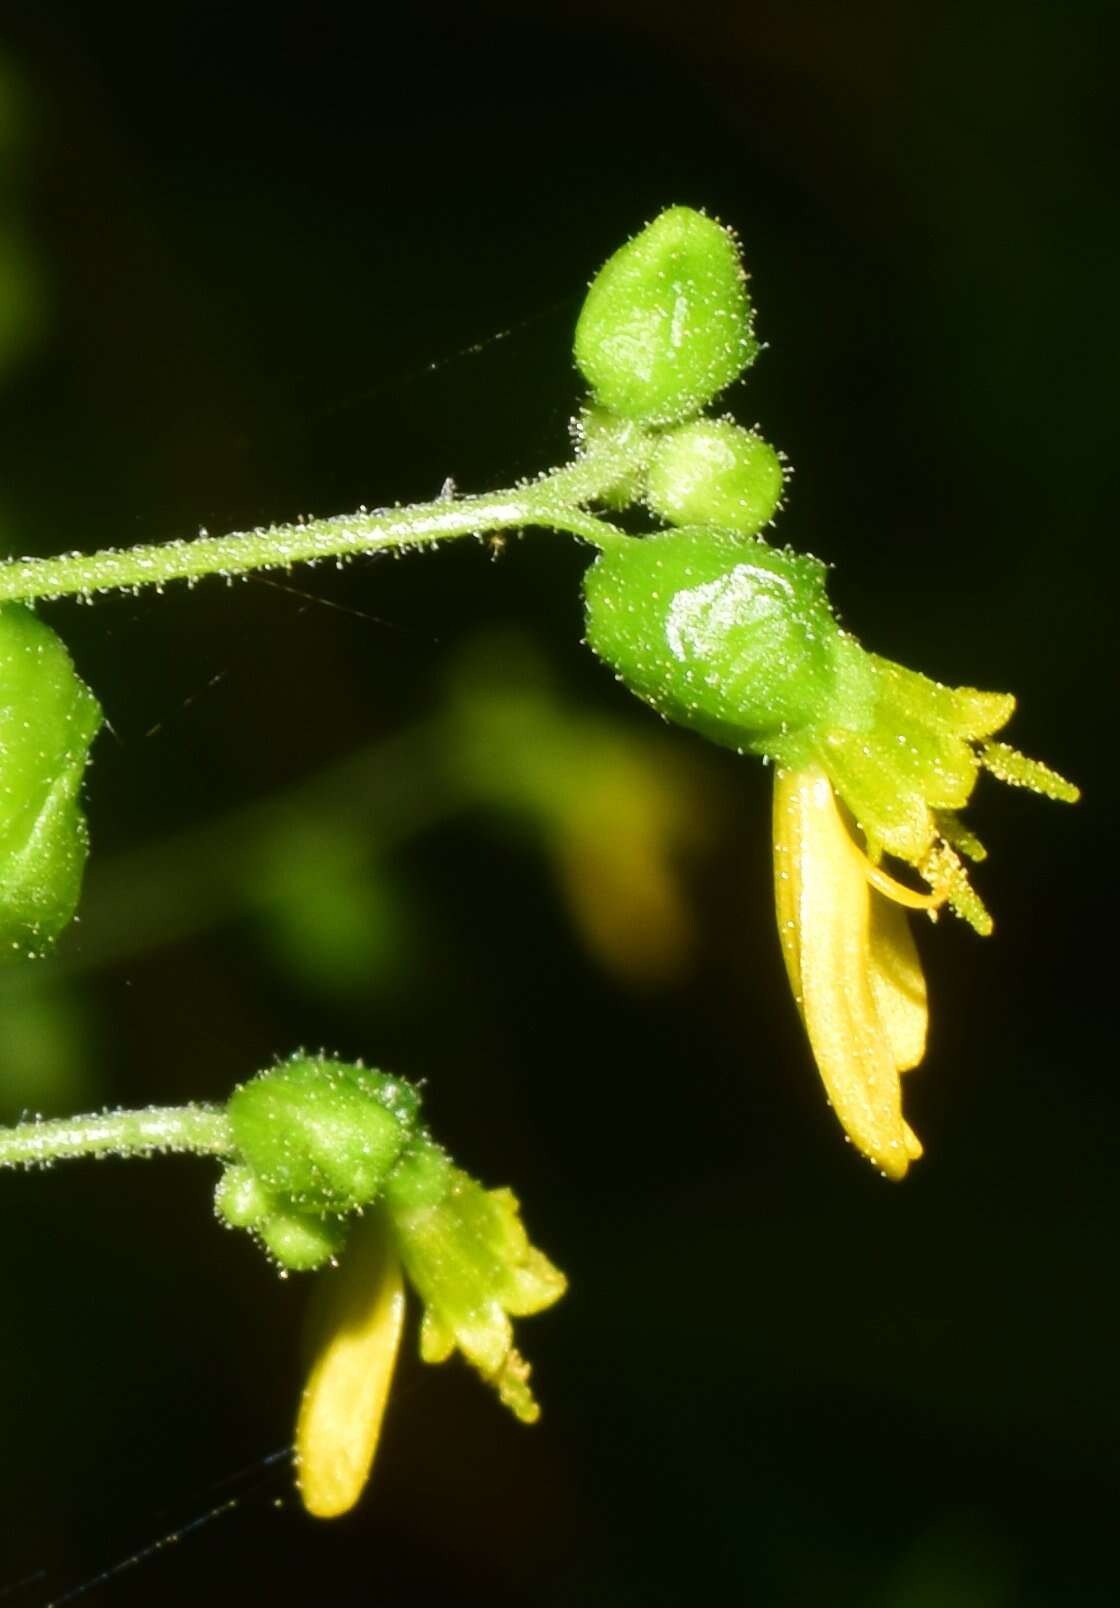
(553, 501)
(197, 1129)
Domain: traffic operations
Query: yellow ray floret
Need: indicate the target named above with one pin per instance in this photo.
(358, 1330)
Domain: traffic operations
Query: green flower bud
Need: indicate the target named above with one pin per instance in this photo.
(241, 1199)
(321, 1134)
(667, 321)
(718, 632)
(713, 472)
(300, 1241)
(48, 719)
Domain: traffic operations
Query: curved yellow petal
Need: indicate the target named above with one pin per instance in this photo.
(787, 874)
(357, 1323)
(898, 984)
(828, 901)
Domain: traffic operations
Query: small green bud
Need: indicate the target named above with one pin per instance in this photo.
(323, 1134)
(48, 719)
(241, 1198)
(713, 472)
(719, 632)
(667, 321)
(300, 1241)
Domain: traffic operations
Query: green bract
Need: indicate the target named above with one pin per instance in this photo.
(719, 632)
(319, 1135)
(713, 472)
(667, 321)
(48, 719)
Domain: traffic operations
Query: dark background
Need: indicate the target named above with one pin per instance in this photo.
(254, 247)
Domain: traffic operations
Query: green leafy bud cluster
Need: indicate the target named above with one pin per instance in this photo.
(48, 719)
(705, 621)
(667, 325)
(315, 1141)
(723, 633)
(299, 1240)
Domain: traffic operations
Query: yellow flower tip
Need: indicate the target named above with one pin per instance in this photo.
(952, 830)
(894, 1162)
(852, 964)
(512, 1384)
(1008, 765)
(981, 713)
(356, 1330)
(470, 1260)
(893, 1167)
(943, 868)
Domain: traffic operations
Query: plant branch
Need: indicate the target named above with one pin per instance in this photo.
(553, 501)
(195, 1129)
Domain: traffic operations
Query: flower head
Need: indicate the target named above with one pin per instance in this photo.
(736, 639)
(902, 774)
(332, 1164)
(904, 753)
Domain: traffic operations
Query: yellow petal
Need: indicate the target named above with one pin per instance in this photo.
(358, 1322)
(787, 874)
(962, 711)
(898, 983)
(831, 947)
(981, 713)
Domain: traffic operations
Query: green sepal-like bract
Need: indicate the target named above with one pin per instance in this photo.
(667, 321)
(717, 631)
(316, 1139)
(48, 719)
(467, 1255)
(322, 1135)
